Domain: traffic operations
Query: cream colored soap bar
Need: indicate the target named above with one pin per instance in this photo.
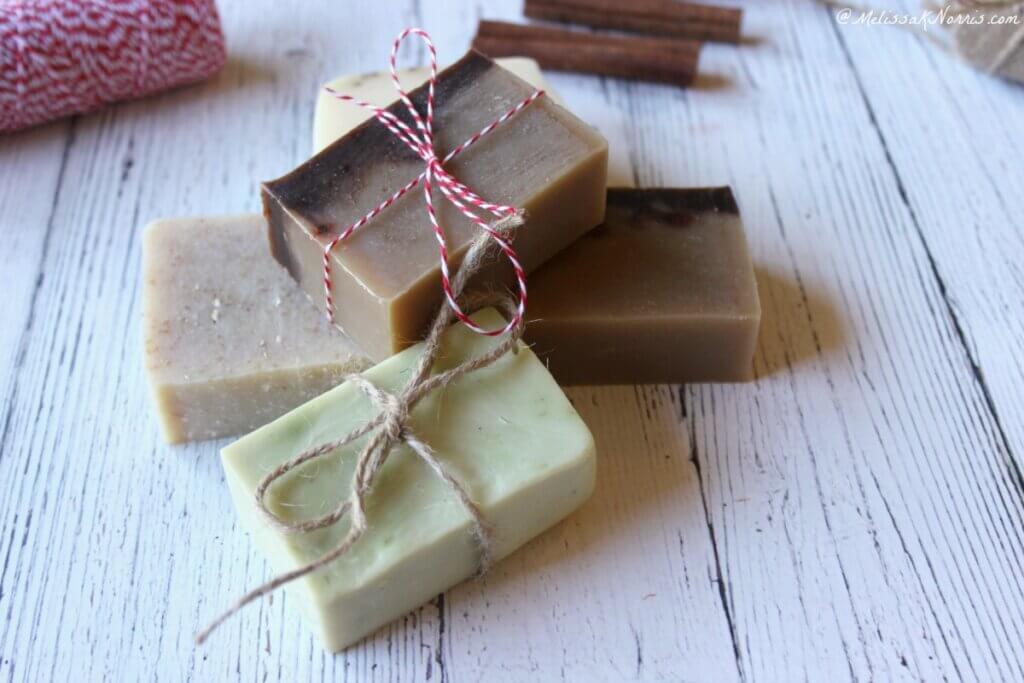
(334, 118)
(231, 342)
(507, 432)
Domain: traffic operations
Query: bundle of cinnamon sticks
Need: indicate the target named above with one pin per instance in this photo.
(668, 55)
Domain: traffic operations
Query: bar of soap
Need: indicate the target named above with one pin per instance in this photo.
(662, 292)
(334, 118)
(386, 278)
(230, 341)
(507, 432)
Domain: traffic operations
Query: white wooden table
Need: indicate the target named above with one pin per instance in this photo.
(855, 513)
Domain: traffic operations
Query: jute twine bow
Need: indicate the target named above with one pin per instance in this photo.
(390, 426)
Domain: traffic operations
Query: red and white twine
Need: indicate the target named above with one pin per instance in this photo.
(63, 57)
(421, 141)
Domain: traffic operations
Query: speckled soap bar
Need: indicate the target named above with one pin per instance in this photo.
(507, 432)
(230, 341)
(386, 277)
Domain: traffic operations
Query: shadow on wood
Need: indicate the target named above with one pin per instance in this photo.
(797, 325)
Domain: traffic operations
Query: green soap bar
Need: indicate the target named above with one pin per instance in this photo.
(507, 432)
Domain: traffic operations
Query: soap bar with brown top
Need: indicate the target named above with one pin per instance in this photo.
(386, 276)
(662, 291)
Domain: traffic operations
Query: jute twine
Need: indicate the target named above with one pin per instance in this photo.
(991, 51)
(390, 428)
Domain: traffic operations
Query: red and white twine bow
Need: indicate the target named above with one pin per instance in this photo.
(421, 141)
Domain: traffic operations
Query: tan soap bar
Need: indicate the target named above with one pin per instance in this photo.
(230, 341)
(506, 432)
(662, 291)
(386, 278)
(333, 118)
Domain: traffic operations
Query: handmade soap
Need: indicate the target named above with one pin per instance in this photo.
(230, 341)
(386, 277)
(334, 118)
(507, 432)
(663, 291)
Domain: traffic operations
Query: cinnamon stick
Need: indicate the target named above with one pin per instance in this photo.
(659, 17)
(634, 57)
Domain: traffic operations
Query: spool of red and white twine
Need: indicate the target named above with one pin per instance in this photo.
(62, 57)
(421, 141)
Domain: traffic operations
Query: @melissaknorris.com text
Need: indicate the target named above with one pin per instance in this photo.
(926, 18)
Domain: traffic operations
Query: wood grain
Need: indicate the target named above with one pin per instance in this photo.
(856, 513)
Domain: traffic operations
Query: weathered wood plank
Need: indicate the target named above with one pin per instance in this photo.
(956, 155)
(31, 174)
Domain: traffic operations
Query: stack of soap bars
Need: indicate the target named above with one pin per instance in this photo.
(625, 286)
